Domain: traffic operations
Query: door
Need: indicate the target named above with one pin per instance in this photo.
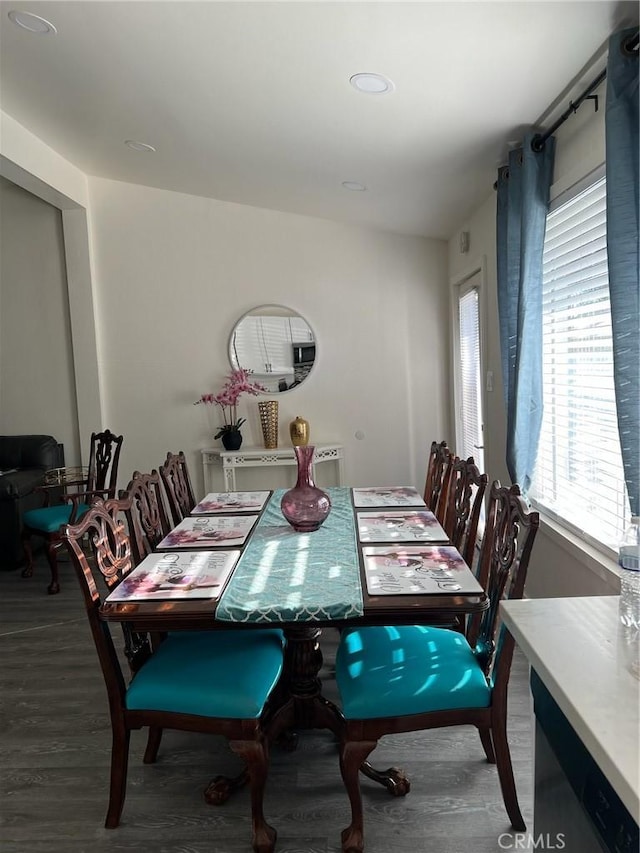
(468, 365)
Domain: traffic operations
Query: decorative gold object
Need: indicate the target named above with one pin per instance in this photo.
(269, 421)
(65, 476)
(299, 432)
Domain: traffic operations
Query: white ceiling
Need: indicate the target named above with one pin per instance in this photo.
(251, 102)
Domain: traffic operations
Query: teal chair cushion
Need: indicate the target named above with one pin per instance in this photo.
(396, 671)
(210, 673)
(49, 519)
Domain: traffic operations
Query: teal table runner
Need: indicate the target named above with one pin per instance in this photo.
(284, 576)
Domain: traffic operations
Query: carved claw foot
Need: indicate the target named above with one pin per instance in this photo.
(352, 840)
(393, 779)
(264, 839)
(53, 588)
(220, 789)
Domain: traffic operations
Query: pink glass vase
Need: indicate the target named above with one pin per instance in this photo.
(305, 506)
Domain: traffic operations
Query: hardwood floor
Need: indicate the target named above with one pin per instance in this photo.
(55, 744)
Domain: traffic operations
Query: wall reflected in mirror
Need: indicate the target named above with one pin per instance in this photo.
(276, 344)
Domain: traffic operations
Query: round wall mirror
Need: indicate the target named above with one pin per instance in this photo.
(276, 344)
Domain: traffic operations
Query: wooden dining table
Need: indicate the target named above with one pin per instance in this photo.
(301, 583)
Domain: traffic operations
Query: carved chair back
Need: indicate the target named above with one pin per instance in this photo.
(111, 560)
(504, 559)
(464, 505)
(147, 516)
(438, 475)
(177, 483)
(104, 457)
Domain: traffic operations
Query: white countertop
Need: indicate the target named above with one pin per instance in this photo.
(577, 649)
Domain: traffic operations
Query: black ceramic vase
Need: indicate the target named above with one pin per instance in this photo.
(232, 440)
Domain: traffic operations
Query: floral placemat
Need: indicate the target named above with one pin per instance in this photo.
(209, 531)
(400, 526)
(284, 576)
(413, 569)
(390, 496)
(188, 574)
(227, 502)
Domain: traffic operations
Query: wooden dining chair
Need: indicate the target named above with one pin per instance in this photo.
(147, 518)
(177, 483)
(408, 678)
(148, 524)
(438, 475)
(78, 491)
(217, 682)
(465, 496)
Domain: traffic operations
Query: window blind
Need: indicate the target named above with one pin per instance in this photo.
(579, 474)
(470, 379)
(276, 337)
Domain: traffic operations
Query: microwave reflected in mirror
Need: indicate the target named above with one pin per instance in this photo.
(276, 344)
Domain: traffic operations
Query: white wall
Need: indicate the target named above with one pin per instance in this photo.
(174, 272)
(29, 163)
(37, 388)
(560, 565)
(26, 156)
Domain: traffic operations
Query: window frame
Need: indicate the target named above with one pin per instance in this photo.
(575, 533)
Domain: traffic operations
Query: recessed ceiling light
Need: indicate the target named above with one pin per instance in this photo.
(354, 186)
(138, 146)
(371, 84)
(32, 23)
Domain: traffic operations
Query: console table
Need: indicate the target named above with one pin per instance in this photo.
(259, 457)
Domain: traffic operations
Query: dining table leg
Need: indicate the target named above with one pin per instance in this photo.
(296, 703)
(304, 706)
(301, 703)
(303, 661)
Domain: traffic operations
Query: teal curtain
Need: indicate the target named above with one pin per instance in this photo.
(621, 122)
(523, 203)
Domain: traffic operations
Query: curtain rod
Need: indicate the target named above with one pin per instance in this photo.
(538, 141)
(630, 48)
